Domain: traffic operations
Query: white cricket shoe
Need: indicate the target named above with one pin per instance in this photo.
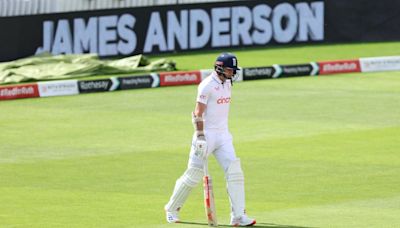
(172, 216)
(242, 221)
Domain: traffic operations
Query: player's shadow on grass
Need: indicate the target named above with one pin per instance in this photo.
(273, 225)
(266, 225)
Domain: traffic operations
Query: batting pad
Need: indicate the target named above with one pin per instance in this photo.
(183, 187)
(235, 186)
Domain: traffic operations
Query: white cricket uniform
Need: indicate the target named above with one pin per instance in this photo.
(216, 95)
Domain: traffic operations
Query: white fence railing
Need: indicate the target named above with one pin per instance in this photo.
(29, 7)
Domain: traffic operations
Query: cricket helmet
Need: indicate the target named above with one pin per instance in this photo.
(226, 60)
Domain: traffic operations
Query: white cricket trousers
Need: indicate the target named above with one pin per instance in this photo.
(219, 143)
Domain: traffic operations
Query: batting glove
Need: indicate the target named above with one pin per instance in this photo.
(200, 147)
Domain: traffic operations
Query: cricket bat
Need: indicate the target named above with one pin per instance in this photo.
(209, 203)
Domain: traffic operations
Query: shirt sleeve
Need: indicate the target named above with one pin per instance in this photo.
(203, 93)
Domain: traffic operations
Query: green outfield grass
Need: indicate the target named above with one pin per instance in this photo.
(316, 151)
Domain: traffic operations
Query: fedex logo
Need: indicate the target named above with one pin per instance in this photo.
(224, 100)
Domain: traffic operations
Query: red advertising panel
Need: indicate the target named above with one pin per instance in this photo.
(341, 66)
(180, 78)
(19, 91)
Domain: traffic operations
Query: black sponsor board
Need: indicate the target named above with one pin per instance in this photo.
(295, 70)
(362, 21)
(91, 86)
(164, 29)
(135, 82)
(254, 73)
(205, 26)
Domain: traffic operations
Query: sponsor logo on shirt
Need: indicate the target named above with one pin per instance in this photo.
(224, 100)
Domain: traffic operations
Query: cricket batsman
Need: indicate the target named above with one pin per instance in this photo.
(212, 136)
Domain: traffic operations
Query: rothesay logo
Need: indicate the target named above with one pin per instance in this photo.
(102, 85)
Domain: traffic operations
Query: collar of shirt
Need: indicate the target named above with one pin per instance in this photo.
(214, 75)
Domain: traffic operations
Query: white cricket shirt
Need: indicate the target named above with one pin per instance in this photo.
(217, 96)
